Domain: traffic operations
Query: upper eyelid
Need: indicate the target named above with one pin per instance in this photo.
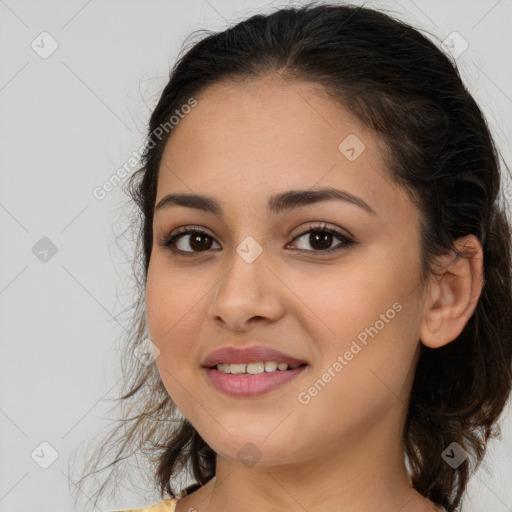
(305, 228)
(323, 226)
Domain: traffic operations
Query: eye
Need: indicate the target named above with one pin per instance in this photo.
(321, 238)
(200, 241)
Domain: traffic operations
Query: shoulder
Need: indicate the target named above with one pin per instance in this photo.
(168, 505)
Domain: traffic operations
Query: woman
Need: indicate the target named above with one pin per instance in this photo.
(326, 272)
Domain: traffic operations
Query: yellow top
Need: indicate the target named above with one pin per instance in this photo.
(164, 506)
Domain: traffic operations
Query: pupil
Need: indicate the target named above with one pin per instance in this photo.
(324, 240)
(196, 239)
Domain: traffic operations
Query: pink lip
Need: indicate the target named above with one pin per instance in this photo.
(247, 355)
(247, 385)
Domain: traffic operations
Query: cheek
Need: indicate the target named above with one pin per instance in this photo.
(364, 312)
(172, 295)
(346, 300)
(173, 313)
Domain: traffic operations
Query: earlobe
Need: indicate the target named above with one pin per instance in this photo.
(454, 294)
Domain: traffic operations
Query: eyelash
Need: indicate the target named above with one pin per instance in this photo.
(169, 241)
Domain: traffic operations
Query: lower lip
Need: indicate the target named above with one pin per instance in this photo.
(247, 385)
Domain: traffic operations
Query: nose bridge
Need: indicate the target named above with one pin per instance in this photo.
(246, 270)
(244, 292)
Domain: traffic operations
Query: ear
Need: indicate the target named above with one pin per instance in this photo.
(454, 294)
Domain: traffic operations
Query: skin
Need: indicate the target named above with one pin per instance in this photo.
(241, 144)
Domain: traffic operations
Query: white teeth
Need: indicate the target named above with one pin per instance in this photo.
(251, 368)
(270, 366)
(254, 368)
(237, 368)
(223, 368)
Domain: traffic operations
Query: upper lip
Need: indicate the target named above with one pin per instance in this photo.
(253, 354)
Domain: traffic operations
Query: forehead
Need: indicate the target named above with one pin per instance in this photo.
(268, 135)
(253, 119)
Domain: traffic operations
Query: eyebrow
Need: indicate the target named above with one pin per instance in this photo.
(276, 204)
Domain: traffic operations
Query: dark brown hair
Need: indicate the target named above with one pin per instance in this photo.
(438, 147)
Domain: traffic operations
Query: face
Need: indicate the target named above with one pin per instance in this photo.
(334, 283)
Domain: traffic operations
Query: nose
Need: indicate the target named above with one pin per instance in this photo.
(247, 294)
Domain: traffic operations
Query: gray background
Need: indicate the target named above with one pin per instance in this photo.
(67, 123)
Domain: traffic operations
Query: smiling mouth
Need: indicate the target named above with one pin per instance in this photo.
(251, 385)
(254, 368)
